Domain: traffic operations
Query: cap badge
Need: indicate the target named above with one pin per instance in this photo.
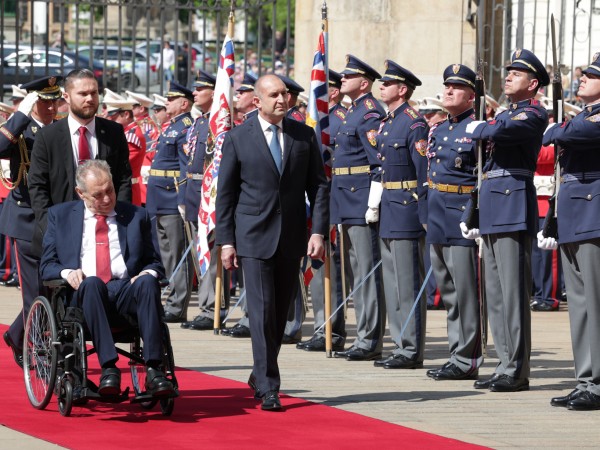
(518, 53)
(51, 81)
(596, 56)
(456, 68)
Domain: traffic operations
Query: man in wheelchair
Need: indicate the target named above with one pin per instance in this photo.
(104, 250)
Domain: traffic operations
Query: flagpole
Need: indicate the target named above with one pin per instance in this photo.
(219, 280)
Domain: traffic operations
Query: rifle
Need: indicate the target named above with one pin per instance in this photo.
(550, 228)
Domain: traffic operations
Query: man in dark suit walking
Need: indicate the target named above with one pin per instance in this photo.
(60, 147)
(104, 250)
(268, 165)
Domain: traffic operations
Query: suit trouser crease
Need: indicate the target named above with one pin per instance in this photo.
(103, 304)
(507, 258)
(455, 271)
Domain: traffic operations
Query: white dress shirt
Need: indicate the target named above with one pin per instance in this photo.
(265, 126)
(90, 135)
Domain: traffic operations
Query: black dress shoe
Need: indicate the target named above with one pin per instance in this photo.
(486, 382)
(402, 362)
(270, 402)
(287, 340)
(252, 384)
(585, 402)
(157, 384)
(172, 318)
(506, 383)
(12, 281)
(563, 401)
(317, 344)
(237, 331)
(199, 323)
(16, 351)
(360, 354)
(453, 372)
(343, 353)
(540, 305)
(381, 362)
(432, 307)
(110, 382)
(431, 372)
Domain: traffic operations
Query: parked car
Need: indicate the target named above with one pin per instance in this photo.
(144, 71)
(29, 64)
(155, 49)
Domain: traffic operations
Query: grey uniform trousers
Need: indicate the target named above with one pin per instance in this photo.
(362, 252)
(403, 274)
(508, 280)
(580, 265)
(455, 271)
(173, 244)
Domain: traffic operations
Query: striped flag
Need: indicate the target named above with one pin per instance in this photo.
(221, 121)
(317, 117)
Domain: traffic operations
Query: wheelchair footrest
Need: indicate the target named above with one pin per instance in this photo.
(87, 393)
(145, 397)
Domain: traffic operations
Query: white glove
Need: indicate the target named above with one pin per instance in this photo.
(27, 103)
(181, 209)
(372, 215)
(145, 174)
(473, 233)
(546, 243)
(375, 193)
(471, 126)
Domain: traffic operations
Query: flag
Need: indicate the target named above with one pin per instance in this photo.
(317, 117)
(221, 120)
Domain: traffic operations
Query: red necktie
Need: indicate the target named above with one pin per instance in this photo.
(102, 249)
(84, 148)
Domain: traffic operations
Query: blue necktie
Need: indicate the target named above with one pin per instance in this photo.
(275, 148)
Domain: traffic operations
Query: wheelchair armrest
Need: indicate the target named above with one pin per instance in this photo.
(59, 282)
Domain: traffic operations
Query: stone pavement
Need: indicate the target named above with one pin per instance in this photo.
(407, 398)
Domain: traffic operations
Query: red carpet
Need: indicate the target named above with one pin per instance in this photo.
(211, 412)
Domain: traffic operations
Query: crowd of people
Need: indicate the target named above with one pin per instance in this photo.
(399, 191)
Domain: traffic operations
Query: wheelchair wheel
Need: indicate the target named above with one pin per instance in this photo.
(40, 353)
(138, 374)
(65, 397)
(166, 406)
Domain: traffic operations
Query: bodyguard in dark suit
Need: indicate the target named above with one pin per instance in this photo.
(57, 153)
(579, 236)
(453, 161)
(121, 280)
(268, 165)
(17, 220)
(402, 215)
(508, 218)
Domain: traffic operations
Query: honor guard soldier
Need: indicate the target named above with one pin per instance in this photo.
(244, 107)
(432, 110)
(141, 112)
(18, 94)
(17, 220)
(165, 199)
(355, 167)
(579, 236)
(121, 111)
(508, 218)
(337, 114)
(399, 203)
(452, 166)
(196, 140)
(294, 90)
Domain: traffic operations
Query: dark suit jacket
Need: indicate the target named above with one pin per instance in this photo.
(62, 241)
(257, 209)
(51, 176)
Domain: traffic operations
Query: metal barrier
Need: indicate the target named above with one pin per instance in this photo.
(45, 37)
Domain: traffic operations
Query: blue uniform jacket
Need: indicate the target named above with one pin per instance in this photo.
(166, 192)
(17, 219)
(453, 160)
(402, 144)
(197, 136)
(356, 146)
(579, 194)
(337, 115)
(508, 202)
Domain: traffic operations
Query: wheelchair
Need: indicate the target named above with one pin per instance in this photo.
(55, 356)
